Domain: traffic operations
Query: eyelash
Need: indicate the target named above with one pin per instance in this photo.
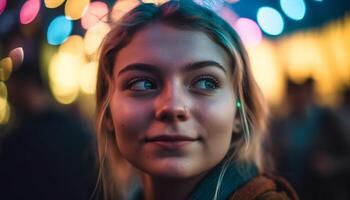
(202, 77)
(208, 77)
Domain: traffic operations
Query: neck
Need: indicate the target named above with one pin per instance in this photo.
(169, 188)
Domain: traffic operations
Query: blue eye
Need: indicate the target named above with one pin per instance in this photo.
(141, 84)
(206, 83)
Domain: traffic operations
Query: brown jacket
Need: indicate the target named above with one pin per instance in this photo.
(265, 187)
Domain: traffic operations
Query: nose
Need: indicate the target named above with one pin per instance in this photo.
(171, 105)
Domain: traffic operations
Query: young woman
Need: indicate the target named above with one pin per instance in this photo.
(179, 113)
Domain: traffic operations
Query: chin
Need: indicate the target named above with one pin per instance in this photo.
(174, 169)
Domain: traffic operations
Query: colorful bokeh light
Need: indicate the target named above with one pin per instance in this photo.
(63, 75)
(6, 66)
(94, 36)
(53, 3)
(75, 9)
(96, 12)
(2, 6)
(29, 11)
(249, 31)
(210, 4)
(17, 56)
(88, 78)
(270, 21)
(121, 7)
(3, 95)
(59, 29)
(228, 15)
(295, 9)
(4, 111)
(157, 2)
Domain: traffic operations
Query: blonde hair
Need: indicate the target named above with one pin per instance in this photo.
(182, 14)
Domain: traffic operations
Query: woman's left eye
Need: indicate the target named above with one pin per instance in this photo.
(206, 83)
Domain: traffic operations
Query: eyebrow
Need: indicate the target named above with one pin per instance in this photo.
(155, 69)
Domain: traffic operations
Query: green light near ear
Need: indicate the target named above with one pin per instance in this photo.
(238, 104)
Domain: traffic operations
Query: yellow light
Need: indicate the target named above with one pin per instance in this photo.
(5, 112)
(62, 95)
(6, 66)
(63, 75)
(267, 72)
(94, 36)
(3, 96)
(88, 78)
(73, 45)
(157, 2)
(75, 9)
(53, 3)
(121, 7)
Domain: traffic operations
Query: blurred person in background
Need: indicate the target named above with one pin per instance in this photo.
(309, 145)
(48, 152)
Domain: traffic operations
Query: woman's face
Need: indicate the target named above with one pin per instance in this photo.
(173, 106)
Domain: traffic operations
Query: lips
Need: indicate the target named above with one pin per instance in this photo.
(171, 141)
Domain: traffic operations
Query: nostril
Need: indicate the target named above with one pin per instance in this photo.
(172, 114)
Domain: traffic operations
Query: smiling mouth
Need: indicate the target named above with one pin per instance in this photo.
(171, 141)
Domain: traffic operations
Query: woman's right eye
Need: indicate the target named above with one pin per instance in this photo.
(141, 84)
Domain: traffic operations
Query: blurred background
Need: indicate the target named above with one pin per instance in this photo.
(300, 54)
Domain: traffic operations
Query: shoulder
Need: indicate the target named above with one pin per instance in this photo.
(265, 187)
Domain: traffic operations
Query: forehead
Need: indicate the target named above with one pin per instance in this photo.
(163, 45)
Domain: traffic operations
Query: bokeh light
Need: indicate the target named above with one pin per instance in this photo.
(6, 66)
(249, 31)
(94, 36)
(63, 76)
(267, 71)
(88, 78)
(73, 45)
(157, 2)
(2, 6)
(59, 29)
(232, 1)
(3, 96)
(96, 12)
(5, 112)
(17, 56)
(75, 9)
(210, 4)
(53, 3)
(121, 7)
(270, 20)
(294, 9)
(228, 15)
(29, 11)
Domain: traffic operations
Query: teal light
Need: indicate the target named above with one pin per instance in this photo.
(59, 30)
(270, 21)
(294, 9)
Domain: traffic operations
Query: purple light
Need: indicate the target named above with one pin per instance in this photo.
(228, 15)
(2, 6)
(29, 11)
(249, 31)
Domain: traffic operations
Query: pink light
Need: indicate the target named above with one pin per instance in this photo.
(29, 11)
(2, 6)
(228, 15)
(96, 12)
(249, 31)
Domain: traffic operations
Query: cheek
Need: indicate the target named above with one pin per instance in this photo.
(217, 124)
(130, 120)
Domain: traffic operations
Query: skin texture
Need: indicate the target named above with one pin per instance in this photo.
(158, 93)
